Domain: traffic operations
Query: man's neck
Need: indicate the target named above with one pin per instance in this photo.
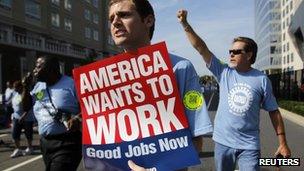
(53, 79)
(244, 69)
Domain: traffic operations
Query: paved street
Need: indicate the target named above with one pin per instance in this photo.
(269, 143)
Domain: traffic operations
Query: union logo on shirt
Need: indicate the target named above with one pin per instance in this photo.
(240, 99)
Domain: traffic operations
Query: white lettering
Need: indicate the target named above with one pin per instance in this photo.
(84, 84)
(167, 116)
(172, 144)
(104, 129)
(122, 71)
(130, 127)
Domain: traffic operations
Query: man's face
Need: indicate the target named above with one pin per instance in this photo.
(18, 88)
(40, 71)
(127, 27)
(239, 58)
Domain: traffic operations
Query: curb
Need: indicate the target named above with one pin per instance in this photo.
(298, 119)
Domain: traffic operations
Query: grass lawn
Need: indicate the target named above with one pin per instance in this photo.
(293, 106)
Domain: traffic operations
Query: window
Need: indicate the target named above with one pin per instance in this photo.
(76, 65)
(61, 66)
(55, 2)
(6, 3)
(87, 14)
(68, 24)
(291, 57)
(287, 58)
(95, 35)
(55, 19)
(287, 47)
(291, 5)
(32, 9)
(95, 3)
(284, 60)
(87, 32)
(68, 5)
(95, 18)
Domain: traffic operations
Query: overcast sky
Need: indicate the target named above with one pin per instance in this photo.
(216, 21)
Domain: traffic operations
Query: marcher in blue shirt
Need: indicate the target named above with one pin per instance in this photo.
(132, 26)
(21, 120)
(54, 101)
(243, 92)
(8, 96)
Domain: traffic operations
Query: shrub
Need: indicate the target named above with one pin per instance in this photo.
(293, 106)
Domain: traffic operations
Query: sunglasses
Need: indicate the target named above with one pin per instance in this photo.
(237, 51)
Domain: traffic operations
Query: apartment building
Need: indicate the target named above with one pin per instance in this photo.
(69, 29)
(279, 34)
(268, 35)
(291, 57)
(296, 29)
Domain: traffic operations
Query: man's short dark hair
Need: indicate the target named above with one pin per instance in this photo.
(250, 46)
(144, 9)
(51, 63)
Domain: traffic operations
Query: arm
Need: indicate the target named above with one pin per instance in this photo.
(194, 39)
(198, 143)
(277, 122)
(74, 124)
(26, 98)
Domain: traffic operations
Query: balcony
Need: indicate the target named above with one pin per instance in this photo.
(40, 43)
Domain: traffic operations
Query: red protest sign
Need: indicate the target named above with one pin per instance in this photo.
(129, 96)
(131, 110)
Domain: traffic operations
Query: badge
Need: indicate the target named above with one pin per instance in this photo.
(39, 95)
(193, 100)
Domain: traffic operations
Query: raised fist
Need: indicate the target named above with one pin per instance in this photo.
(182, 16)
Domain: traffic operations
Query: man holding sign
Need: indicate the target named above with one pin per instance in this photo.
(131, 103)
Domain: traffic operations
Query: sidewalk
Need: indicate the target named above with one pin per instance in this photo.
(8, 130)
(5, 130)
(295, 118)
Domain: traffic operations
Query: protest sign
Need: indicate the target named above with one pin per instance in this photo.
(131, 110)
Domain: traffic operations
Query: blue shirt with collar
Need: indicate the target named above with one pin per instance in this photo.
(63, 96)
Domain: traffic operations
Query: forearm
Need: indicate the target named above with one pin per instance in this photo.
(26, 99)
(198, 143)
(278, 125)
(197, 42)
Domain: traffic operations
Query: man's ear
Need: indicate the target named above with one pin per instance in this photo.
(249, 56)
(149, 20)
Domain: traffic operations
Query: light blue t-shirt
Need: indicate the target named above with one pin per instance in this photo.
(9, 94)
(187, 81)
(63, 96)
(18, 109)
(242, 95)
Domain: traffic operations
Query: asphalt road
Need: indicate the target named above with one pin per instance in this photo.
(295, 134)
